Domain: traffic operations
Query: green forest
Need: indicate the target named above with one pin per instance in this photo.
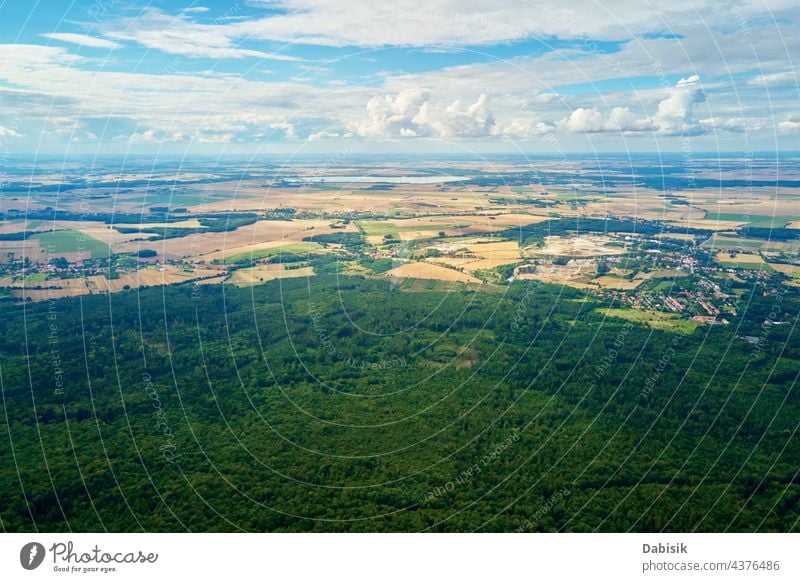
(342, 403)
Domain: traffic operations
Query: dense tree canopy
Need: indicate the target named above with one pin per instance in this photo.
(348, 404)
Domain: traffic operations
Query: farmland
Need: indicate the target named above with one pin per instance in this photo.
(609, 241)
(67, 242)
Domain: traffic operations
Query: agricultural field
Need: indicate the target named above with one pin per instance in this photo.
(265, 250)
(465, 231)
(262, 273)
(374, 231)
(792, 270)
(742, 261)
(707, 224)
(726, 242)
(55, 288)
(768, 220)
(71, 242)
(419, 270)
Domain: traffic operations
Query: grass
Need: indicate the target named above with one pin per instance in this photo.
(175, 201)
(747, 261)
(35, 278)
(289, 248)
(732, 243)
(376, 228)
(666, 286)
(72, 241)
(755, 220)
(655, 319)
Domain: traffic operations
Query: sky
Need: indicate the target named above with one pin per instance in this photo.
(92, 77)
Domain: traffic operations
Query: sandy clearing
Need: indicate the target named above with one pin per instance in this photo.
(577, 273)
(577, 246)
(507, 250)
(262, 273)
(608, 282)
(420, 270)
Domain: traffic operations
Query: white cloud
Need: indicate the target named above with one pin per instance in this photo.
(85, 137)
(460, 22)
(585, 121)
(327, 135)
(150, 136)
(779, 79)
(475, 120)
(392, 116)
(734, 124)
(411, 114)
(8, 132)
(675, 114)
(673, 117)
(82, 40)
(526, 128)
(178, 35)
(791, 125)
(621, 119)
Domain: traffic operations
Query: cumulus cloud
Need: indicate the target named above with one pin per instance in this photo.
(675, 115)
(392, 116)
(584, 121)
(457, 121)
(526, 128)
(411, 114)
(621, 119)
(82, 40)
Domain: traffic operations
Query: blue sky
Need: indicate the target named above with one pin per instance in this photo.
(303, 76)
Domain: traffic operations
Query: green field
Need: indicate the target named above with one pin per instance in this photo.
(175, 201)
(35, 278)
(722, 242)
(290, 248)
(754, 220)
(72, 241)
(655, 319)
